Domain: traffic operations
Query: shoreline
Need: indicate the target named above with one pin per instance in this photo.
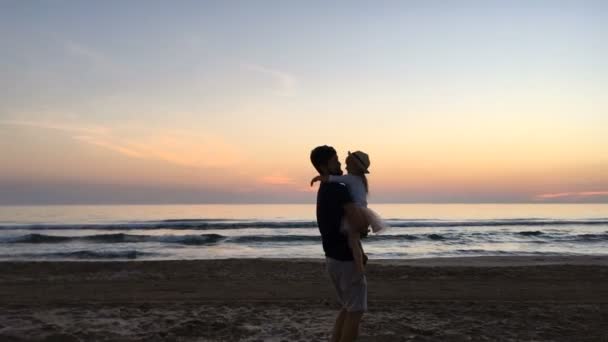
(439, 299)
(471, 261)
(468, 261)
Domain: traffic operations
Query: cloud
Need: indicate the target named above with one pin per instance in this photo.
(67, 127)
(93, 58)
(286, 83)
(306, 189)
(184, 148)
(109, 145)
(85, 52)
(571, 195)
(188, 149)
(276, 179)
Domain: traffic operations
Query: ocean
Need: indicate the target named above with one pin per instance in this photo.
(172, 232)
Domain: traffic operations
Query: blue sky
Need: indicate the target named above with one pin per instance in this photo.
(454, 101)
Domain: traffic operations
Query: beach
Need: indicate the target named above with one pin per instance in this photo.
(445, 299)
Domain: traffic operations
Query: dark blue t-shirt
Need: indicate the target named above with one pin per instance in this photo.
(331, 199)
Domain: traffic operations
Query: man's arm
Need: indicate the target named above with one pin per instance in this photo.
(346, 179)
(354, 215)
(355, 219)
(355, 246)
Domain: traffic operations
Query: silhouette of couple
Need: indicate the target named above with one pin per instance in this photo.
(343, 218)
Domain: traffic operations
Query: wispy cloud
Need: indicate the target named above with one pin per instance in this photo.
(176, 147)
(276, 179)
(94, 58)
(67, 127)
(187, 149)
(110, 145)
(285, 83)
(83, 51)
(572, 195)
(285, 183)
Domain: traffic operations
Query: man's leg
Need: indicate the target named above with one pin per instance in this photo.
(356, 290)
(336, 334)
(350, 329)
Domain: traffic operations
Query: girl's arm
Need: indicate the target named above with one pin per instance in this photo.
(349, 180)
(319, 178)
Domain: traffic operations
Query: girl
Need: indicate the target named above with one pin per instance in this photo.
(357, 164)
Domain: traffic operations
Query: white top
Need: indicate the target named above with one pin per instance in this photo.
(355, 187)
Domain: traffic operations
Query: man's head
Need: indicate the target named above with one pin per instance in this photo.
(325, 160)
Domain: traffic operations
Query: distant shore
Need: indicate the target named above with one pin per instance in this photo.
(562, 298)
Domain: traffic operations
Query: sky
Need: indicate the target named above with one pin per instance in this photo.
(222, 101)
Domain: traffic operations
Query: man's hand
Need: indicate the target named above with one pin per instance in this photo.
(354, 216)
(357, 250)
(359, 268)
(318, 179)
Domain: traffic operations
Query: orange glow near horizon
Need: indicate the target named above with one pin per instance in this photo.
(187, 160)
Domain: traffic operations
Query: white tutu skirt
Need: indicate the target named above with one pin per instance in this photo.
(373, 220)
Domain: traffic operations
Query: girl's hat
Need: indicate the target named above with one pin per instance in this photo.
(362, 158)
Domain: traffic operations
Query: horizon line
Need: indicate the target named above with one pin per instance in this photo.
(269, 203)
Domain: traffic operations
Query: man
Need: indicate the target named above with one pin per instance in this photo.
(344, 255)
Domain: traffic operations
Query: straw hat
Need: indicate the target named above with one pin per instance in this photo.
(362, 159)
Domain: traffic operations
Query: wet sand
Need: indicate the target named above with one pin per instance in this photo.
(454, 299)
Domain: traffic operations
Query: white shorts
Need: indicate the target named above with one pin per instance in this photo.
(351, 287)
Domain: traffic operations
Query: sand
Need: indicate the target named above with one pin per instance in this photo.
(455, 299)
